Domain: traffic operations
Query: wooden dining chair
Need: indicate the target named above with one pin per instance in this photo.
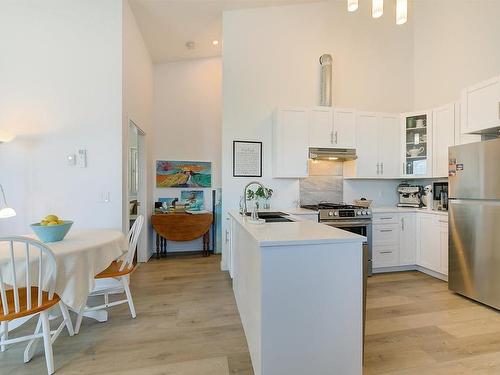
(116, 278)
(24, 295)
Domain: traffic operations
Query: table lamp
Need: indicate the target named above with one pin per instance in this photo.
(5, 210)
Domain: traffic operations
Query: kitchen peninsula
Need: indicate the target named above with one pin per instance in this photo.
(299, 291)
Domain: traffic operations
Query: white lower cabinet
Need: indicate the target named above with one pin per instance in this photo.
(411, 239)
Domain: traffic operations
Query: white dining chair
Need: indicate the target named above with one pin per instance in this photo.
(116, 278)
(24, 295)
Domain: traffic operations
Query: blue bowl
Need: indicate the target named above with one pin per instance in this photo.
(51, 233)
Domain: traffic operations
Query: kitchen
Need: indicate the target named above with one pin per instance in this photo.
(353, 145)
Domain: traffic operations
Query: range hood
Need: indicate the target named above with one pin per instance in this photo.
(332, 154)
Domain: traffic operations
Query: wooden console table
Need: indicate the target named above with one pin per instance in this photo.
(181, 227)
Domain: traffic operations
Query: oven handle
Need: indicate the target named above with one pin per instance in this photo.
(340, 224)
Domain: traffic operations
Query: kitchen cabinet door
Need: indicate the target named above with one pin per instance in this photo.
(480, 106)
(428, 242)
(389, 145)
(367, 139)
(416, 141)
(462, 138)
(443, 244)
(443, 136)
(344, 128)
(407, 239)
(321, 132)
(290, 143)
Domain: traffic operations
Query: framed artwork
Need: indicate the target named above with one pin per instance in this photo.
(193, 199)
(247, 159)
(182, 174)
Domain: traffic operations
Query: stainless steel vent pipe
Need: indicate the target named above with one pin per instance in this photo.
(326, 80)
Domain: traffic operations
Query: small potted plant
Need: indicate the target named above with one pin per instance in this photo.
(265, 195)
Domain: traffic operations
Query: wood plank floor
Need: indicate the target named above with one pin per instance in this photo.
(187, 324)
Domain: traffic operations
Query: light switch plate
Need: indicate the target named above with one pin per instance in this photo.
(82, 159)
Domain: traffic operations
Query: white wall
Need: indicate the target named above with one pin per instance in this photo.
(60, 91)
(187, 121)
(271, 59)
(456, 45)
(138, 90)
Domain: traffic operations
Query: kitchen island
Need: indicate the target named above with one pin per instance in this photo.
(299, 291)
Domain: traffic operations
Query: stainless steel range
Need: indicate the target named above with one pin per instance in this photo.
(354, 219)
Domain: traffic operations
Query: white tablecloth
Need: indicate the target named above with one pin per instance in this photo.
(79, 257)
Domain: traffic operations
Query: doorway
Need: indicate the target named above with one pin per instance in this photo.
(136, 186)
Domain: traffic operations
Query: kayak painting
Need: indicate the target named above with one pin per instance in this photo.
(182, 174)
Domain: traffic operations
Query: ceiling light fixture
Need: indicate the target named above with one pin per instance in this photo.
(377, 8)
(5, 210)
(215, 42)
(352, 5)
(401, 12)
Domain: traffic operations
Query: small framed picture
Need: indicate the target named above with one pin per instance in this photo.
(247, 159)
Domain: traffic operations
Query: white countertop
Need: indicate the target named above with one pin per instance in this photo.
(389, 209)
(295, 233)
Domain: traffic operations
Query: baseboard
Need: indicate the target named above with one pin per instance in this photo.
(412, 267)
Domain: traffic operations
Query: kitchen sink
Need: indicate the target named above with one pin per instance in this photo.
(273, 217)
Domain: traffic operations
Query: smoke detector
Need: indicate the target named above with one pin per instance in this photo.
(190, 44)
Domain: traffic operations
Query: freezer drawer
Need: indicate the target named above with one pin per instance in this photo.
(474, 250)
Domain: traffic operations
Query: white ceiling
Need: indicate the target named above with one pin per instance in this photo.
(167, 25)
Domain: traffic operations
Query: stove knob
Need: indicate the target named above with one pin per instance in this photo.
(365, 212)
(330, 213)
(335, 213)
(368, 213)
(359, 212)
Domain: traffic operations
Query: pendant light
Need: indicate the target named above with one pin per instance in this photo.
(377, 8)
(352, 5)
(401, 12)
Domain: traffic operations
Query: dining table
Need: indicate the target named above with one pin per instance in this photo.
(80, 256)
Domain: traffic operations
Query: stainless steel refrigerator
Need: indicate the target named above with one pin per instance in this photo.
(474, 221)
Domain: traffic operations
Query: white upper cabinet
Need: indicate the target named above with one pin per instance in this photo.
(480, 106)
(321, 127)
(329, 127)
(416, 139)
(389, 145)
(377, 146)
(290, 142)
(443, 136)
(344, 128)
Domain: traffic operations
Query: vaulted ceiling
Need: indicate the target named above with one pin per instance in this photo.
(167, 25)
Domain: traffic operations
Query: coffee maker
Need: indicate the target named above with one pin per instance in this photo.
(409, 195)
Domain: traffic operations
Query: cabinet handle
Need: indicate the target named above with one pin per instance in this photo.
(386, 230)
(402, 223)
(336, 137)
(378, 168)
(385, 218)
(331, 137)
(381, 168)
(385, 252)
(404, 170)
(443, 221)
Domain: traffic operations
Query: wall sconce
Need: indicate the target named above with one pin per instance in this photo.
(5, 210)
(6, 136)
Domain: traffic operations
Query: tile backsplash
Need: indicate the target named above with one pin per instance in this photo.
(325, 183)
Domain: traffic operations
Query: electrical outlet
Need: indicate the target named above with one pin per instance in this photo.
(82, 159)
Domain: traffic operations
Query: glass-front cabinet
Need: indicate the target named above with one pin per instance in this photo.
(416, 136)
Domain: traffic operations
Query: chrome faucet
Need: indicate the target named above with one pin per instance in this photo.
(245, 193)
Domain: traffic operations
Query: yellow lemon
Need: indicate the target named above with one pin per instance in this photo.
(50, 218)
(44, 223)
(60, 221)
(52, 223)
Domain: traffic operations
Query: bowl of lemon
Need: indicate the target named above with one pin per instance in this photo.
(51, 228)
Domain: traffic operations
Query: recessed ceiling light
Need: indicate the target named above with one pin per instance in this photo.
(215, 42)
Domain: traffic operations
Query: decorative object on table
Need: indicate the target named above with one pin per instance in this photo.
(18, 302)
(363, 202)
(167, 204)
(5, 210)
(117, 277)
(51, 229)
(193, 199)
(182, 174)
(262, 194)
(247, 159)
(181, 227)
